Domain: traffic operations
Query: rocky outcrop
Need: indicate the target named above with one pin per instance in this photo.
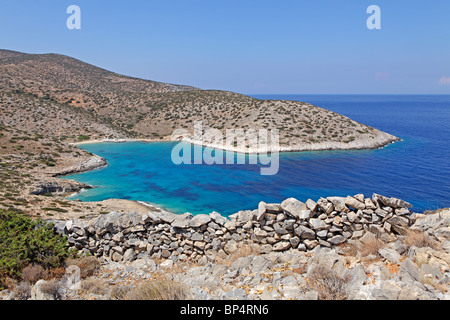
(94, 162)
(272, 227)
(57, 187)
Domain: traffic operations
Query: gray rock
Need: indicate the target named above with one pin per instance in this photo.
(399, 224)
(409, 272)
(318, 224)
(106, 223)
(199, 220)
(305, 233)
(294, 241)
(218, 218)
(167, 217)
(391, 202)
(273, 208)
(337, 239)
(369, 204)
(231, 247)
(305, 214)
(236, 294)
(129, 255)
(326, 206)
(182, 221)
(261, 211)
(281, 246)
(311, 244)
(279, 229)
(311, 205)
(339, 203)
(293, 207)
(390, 254)
(354, 203)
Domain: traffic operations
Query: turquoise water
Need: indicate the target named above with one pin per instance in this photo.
(416, 169)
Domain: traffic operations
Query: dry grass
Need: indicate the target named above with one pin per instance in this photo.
(162, 289)
(436, 285)
(371, 247)
(328, 284)
(32, 273)
(95, 286)
(243, 251)
(419, 239)
(89, 266)
(119, 292)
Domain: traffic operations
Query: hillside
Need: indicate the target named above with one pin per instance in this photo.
(148, 109)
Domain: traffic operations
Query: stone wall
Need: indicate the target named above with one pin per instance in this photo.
(272, 227)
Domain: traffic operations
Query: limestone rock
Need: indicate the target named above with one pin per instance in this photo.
(354, 203)
(293, 207)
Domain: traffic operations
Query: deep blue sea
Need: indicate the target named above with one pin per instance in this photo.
(416, 169)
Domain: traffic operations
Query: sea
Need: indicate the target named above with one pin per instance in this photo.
(415, 169)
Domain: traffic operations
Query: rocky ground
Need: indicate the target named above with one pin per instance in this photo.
(411, 266)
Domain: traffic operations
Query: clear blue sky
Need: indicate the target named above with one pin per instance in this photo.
(247, 46)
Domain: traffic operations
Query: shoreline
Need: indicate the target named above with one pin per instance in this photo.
(323, 146)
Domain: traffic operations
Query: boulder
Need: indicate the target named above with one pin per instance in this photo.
(199, 220)
(354, 203)
(273, 207)
(318, 224)
(339, 203)
(281, 246)
(261, 211)
(305, 214)
(337, 239)
(293, 207)
(311, 205)
(218, 218)
(390, 202)
(182, 221)
(305, 233)
(326, 206)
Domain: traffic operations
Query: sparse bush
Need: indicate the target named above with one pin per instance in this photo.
(328, 284)
(371, 247)
(22, 291)
(54, 288)
(32, 273)
(83, 138)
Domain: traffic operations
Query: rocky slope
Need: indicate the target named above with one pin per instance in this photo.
(149, 109)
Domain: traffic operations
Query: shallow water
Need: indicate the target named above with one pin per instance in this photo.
(416, 169)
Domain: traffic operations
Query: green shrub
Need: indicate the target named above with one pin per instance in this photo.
(24, 241)
(83, 138)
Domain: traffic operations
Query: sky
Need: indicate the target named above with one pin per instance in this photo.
(248, 46)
